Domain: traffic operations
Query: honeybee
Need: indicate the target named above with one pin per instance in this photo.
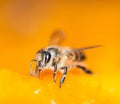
(56, 57)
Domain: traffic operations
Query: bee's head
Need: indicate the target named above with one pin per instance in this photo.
(42, 58)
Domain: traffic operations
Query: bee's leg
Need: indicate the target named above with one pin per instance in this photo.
(63, 76)
(84, 69)
(54, 74)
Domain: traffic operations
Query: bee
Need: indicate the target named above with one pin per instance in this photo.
(56, 57)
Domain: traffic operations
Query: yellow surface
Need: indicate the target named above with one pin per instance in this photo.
(25, 27)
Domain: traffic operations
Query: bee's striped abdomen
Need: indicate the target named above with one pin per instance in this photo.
(79, 56)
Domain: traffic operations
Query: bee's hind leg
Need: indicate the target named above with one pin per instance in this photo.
(63, 76)
(84, 69)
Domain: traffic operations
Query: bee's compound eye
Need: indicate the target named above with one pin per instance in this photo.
(47, 57)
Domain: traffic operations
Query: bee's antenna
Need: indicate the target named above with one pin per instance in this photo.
(86, 48)
(31, 66)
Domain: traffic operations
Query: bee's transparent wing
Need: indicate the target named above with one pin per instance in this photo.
(57, 37)
(87, 48)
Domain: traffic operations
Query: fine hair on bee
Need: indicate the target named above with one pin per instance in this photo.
(61, 58)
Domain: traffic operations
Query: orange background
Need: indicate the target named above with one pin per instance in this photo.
(25, 27)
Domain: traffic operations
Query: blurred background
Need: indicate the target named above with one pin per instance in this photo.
(26, 25)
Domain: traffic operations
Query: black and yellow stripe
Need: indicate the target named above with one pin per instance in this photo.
(79, 56)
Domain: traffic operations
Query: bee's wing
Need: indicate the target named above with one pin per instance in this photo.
(57, 37)
(86, 48)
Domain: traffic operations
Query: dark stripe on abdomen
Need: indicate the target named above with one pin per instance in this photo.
(79, 56)
(76, 56)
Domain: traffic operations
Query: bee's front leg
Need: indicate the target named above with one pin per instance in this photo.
(64, 75)
(54, 74)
